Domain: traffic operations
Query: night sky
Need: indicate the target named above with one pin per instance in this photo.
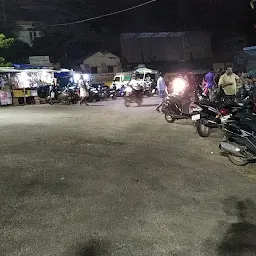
(164, 15)
(216, 16)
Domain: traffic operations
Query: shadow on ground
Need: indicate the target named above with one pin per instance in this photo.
(148, 105)
(240, 238)
(94, 247)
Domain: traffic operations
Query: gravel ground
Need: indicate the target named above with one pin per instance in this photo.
(109, 180)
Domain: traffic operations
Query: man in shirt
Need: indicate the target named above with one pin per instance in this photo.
(161, 87)
(209, 83)
(228, 82)
(216, 78)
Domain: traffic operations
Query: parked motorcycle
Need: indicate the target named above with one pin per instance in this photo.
(63, 97)
(74, 95)
(112, 93)
(178, 105)
(215, 114)
(121, 92)
(239, 141)
(93, 95)
(147, 90)
(132, 96)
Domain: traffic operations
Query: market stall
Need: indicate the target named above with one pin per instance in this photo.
(26, 83)
(5, 87)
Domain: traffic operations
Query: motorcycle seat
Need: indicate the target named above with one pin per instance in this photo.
(207, 102)
(251, 123)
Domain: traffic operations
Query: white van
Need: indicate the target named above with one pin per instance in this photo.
(121, 79)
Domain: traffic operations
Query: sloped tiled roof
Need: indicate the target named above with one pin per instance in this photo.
(152, 35)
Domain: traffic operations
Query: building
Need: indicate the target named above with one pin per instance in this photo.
(101, 62)
(27, 31)
(162, 47)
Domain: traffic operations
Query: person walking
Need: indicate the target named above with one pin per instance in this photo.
(161, 86)
(83, 92)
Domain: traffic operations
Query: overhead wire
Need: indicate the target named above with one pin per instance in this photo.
(103, 15)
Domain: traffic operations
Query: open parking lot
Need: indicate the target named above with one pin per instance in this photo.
(110, 180)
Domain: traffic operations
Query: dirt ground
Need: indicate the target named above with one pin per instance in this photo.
(110, 180)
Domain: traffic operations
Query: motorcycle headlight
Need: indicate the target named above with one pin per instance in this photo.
(128, 89)
(179, 85)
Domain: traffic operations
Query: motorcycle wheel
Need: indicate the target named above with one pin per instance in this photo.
(139, 101)
(67, 102)
(236, 160)
(127, 103)
(51, 102)
(149, 94)
(114, 97)
(202, 130)
(169, 118)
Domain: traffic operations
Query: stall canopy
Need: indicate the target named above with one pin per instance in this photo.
(250, 50)
(145, 70)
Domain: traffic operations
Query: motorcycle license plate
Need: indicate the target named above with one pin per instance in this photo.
(195, 117)
(225, 118)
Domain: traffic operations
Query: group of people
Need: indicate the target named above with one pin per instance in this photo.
(227, 83)
(223, 83)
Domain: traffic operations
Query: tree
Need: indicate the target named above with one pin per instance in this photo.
(5, 44)
(12, 50)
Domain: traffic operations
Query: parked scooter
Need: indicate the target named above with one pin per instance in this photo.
(74, 95)
(121, 92)
(112, 93)
(239, 141)
(215, 114)
(147, 90)
(179, 105)
(93, 95)
(62, 97)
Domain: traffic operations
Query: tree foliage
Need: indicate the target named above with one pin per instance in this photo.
(13, 50)
(5, 44)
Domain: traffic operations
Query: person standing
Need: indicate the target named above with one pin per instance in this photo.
(161, 87)
(209, 83)
(216, 78)
(83, 91)
(228, 82)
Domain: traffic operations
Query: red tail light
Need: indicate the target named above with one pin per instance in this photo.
(224, 111)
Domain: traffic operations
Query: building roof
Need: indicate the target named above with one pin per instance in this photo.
(81, 60)
(152, 35)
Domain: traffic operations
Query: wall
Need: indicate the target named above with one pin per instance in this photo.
(172, 47)
(27, 33)
(151, 49)
(102, 61)
(28, 36)
(200, 45)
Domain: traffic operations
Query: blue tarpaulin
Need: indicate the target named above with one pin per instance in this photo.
(27, 66)
(62, 74)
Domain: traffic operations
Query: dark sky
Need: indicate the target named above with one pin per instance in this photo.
(164, 15)
(217, 16)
